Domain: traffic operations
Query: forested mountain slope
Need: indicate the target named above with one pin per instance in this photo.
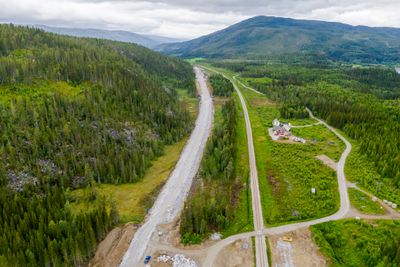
(150, 41)
(72, 112)
(266, 37)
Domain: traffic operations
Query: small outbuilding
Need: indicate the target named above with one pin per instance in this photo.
(313, 190)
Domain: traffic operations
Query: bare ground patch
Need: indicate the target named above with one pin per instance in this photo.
(260, 102)
(302, 251)
(111, 250)
(327, 161)
(237, 254)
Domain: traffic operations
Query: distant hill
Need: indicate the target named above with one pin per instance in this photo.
(271, 36)
(149, 41)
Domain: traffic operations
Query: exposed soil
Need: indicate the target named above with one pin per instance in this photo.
(259, 102)
(170, 236)
(238, 254)
(327, 161)
(219, 101)
(302, 251)
(111, 250)
(167, 242)
(274, 182)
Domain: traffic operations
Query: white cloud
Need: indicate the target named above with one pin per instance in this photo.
(188, 19)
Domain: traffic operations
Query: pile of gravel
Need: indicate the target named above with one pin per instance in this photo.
(178, 260)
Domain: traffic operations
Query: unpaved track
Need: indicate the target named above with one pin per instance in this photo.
(306, 126)
(344, 195)
(171, 199)
(212, 251)
(261, 247)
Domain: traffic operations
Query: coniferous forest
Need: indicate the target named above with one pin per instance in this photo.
(75, 112)
(363, 102)
(221, 86)
(210, 205)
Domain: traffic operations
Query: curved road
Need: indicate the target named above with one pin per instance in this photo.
(171, 199)
(344, 197)
(344, 211)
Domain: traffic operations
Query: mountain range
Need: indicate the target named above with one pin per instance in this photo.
(149, 41)
(264, 36)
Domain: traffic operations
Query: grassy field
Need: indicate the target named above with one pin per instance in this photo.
(364, 203)
(190, 103)
(358, 168)
(358, 243)
(301, 122)
(38, 90)
(287, 172)
(263, 80)
(133, 200)
(324, 141)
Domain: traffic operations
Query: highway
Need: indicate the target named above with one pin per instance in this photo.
(211, 252)
(171, 199)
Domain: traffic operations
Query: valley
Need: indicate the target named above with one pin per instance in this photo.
(271, 142)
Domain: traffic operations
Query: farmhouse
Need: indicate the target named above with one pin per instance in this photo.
(281, 129)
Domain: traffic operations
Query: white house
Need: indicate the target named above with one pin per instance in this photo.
(276, 123)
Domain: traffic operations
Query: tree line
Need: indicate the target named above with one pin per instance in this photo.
(211, 206)
(358, 243)
(221, 86)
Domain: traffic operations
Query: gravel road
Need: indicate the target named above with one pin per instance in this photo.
(261, 247)
(171, 199)
(344, 195)
(259, 232)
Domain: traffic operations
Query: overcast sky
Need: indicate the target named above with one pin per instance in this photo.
(191, 18)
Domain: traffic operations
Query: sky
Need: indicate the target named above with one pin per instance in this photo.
(187, 19)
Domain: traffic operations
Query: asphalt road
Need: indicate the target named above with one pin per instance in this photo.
(171, 199)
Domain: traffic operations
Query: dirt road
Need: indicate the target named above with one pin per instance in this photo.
(261, 248)
(342, 185)
(171, 199)
(207, 255)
